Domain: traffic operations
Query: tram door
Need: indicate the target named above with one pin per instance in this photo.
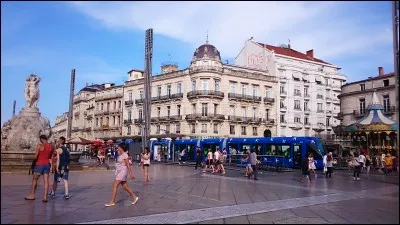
(297, 159)
(191, 153)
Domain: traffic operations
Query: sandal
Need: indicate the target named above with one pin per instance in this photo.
(44, 200)
(29, 199)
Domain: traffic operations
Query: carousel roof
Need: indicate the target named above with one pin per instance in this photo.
(375, 114)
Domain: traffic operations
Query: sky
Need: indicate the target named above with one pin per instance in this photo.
(104, 40)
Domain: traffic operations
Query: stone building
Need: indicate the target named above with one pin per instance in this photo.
(308, 88)
(357, 95)
(207, 99)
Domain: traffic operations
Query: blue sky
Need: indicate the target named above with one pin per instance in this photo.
(104, 40)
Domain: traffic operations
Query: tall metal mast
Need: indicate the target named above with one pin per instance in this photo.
(71, 103)
(395, 21)
(147, 87)
(14, 105)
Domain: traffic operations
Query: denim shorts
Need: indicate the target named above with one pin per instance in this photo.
(42, 169)
(61, 176)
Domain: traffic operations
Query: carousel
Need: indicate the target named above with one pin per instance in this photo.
(374, 133)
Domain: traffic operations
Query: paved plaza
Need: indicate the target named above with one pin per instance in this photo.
(180, 194)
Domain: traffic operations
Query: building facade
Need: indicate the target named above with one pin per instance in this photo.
(356, 97)
(207, 99)
(308, 88)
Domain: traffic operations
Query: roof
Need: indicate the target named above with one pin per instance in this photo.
(136, 70)
(291, 53)
(206, 51)
(384, 76)
(93, 88)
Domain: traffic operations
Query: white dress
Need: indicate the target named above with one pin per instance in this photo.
(311, 164)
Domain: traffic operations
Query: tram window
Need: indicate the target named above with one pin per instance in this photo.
(233, 146)
(312, 148)
(283, 150)
(258, 149)
(270, 149)
(244, 148)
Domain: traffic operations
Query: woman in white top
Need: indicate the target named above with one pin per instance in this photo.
(146, 164)
(311, 164)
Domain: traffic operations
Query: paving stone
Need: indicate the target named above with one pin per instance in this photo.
(237, 220)
(300, 220)
(220, 221)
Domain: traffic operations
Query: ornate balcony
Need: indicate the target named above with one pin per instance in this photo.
(244, 98)
(207, 117)
(166, 118)
(129, 103)
(76, 114)
(205, 94)
(297, 94)
(128, 121)
(165, 98)
(269, 121)
(90, 107)
(320, 96)
(138, 121)
(139, 101)
(269, 100)
(243, 119)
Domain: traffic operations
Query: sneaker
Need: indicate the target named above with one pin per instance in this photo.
(110, 204)
(66, 196)
(358, 178)
(255, 178)
(52, 194)
(135, 201)
(354, 178)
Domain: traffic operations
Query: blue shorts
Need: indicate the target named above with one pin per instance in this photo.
(42, 169)
(61, 176)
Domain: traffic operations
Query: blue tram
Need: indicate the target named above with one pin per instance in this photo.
(285, 151)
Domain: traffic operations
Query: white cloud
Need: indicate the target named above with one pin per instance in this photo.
(330, 28)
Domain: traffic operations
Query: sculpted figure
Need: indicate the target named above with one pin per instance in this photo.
(32, 91)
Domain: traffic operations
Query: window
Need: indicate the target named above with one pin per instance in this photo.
(282, 104)
(215, 128)
(158, 92)
(244, 112)
(232, 129)
(193, 85)
(129, 115)
(141, 94)
(118, 120)
(255, 131)
(267, 93)
(319, 107)
(204, 109)
(158, 129)
(244, 89)
(101, 121)
(129, 130)
(114, 121)
(179, 88)
(102, 106)
(326, 81)
(169, 91)
(140, 131)
(327, 121)
(203, 128)
(297, 92)
(204, 84)
(98, 106)
(215, 109)
(108, 106)
(282, 150)
(140, 114)
(216, 85)
(255, 91)
(130, 97)
(107, 121)
(232, 88)
(97, 122)
(386, 103)
(306, 106)
(306, 92)
(178, 110)
(283, 118)
(167, 128)
(232, 109)
(386, 82)
(243, 130)
(178, 128)
(115, 104)
(119, 104)
(362, 87)
(194, 108)
(362, 106)
(306, 120)
(193, 128)
(254, 113)
(283, 90)
(168, 111)
(297, 104)
(267, 114)
(158, 111)
(297, 120)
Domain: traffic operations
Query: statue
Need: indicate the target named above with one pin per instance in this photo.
(20, 134)
(32, 91)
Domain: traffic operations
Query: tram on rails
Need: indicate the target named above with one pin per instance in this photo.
(286, 151)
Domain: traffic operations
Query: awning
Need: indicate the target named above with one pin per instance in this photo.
(318, 79)
(297, 75)
(78, 140)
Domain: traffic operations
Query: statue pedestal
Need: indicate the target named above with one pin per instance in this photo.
(30, 112)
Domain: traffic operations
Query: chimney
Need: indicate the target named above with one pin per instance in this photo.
(380, 70)
(310, 53)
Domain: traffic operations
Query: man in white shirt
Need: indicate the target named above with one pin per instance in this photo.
(232, 155)
(362, 159)
(324, 162)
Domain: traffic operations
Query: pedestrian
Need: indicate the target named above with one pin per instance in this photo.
(146, 163)
(253, 162)
(249, 170)
(182, 155)
(232, 155)
(224, 156)
(122, 169)
(221, 159)
(325, 163)
(362, 159)
(41, 165)
(388, 164)
(357, 167)
(209, 162)
(62, 168)
(312, 164)
(305, 170)
(368, 163)
(329, 165)
(216, 161)
(198, 157)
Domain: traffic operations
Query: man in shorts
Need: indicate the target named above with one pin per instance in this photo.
(209, 162)
(62, 167)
